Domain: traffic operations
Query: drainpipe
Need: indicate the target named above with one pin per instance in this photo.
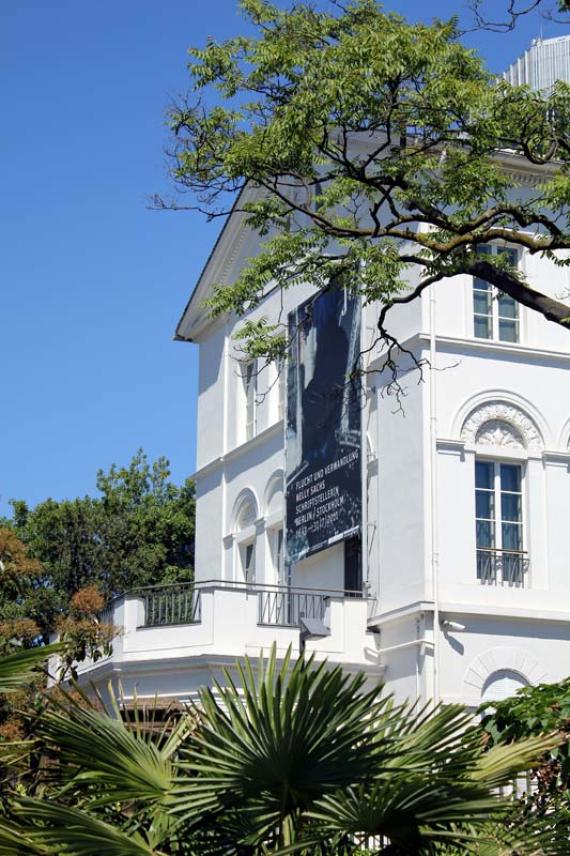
(364, 463)
(411, 644)
(225, 447)
(434, 494)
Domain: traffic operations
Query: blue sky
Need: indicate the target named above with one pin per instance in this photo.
(92, 281)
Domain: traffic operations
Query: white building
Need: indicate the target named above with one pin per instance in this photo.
(545, 62)
(465, 573)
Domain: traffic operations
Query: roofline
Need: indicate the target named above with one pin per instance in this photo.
(178, 337)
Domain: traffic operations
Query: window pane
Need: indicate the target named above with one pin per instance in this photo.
(249, 563)
(512, 536)
(485, 504)
(508, 331)
(484, 474)
(508, 308)
(482, 286)
(511, 506)
(511, 477)
(482, 302)
(483, 327)
(512, 255)
(485, 534)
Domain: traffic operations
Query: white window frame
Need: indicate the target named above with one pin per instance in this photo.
(248, 570)
(494, 293)
(249, 381)
(276, 537)
(498, 549)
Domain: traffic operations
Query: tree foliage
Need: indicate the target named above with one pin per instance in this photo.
(364, 146)
(540, 709)
(138, 531)
(300, 759)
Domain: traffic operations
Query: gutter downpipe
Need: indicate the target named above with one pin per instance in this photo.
(434, 494)
(225, 446)
(411, 644)
(364, 461)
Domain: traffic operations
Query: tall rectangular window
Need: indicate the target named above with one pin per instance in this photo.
(278, 554)
(248, 562)
(249, 377)
(495, 314)
(499, 522)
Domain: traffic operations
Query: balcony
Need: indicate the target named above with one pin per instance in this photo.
(502, 567)
(216, 622)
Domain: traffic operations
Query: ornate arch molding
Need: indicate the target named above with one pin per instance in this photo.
(564, 437)
(245, 511)
(501, 657)
(275, 486)
(501, 423)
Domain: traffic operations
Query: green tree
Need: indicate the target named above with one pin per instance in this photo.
(540, 709)
(138, 531)
(366, 148)
(302, 759)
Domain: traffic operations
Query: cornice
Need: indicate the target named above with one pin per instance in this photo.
(238, 451)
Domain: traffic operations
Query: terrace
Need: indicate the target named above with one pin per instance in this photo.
(220, 620)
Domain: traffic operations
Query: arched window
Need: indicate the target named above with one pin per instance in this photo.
(274, 511)
(502, 684)
(501, 434)
(245, 516)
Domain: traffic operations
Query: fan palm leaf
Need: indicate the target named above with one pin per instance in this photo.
(21, 667)
(64, 830)
(106, 759)
(289, 733)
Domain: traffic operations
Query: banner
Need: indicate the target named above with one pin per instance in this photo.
(323, 482)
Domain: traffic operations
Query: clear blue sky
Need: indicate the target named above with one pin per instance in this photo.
(92, 281)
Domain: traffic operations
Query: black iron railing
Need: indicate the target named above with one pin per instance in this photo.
(280, 606)
(502, 567)
(177, 605)
(284, 608)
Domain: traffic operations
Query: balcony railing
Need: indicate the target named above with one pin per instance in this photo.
(502, 567)
(173, 605)
(285, 608)
(280, 606)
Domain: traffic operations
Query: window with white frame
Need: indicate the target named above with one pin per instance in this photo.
(249, 378)
(278, 554)
(248, 561)
(501, 558)
(495, 314)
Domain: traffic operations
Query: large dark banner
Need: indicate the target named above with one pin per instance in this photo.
(323, 432)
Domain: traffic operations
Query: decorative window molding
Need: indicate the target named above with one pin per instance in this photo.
(495, 660)
(245, 511)
(498, 433)
(499, 423)
(274, 500)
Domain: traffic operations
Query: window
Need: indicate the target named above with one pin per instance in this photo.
(353, 565)
(499, 523)
(495, 315)
(248, 562)
(249, 377)
(278, 555)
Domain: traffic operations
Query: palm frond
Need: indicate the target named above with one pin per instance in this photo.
(21, 667)
(292, 732)
(68, 831)
(100, 755)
